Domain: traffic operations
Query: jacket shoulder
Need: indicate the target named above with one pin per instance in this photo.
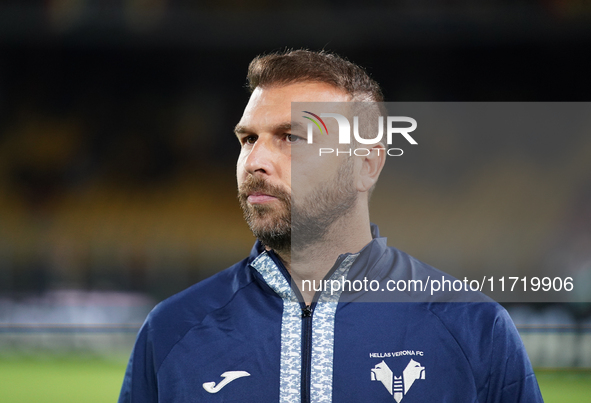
(193, 303)
(490, 342)
(174, 317)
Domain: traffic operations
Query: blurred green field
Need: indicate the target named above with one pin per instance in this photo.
(64, 380)
(565, 386)
(94, 380)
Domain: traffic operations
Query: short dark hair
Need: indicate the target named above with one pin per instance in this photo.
(294, 66)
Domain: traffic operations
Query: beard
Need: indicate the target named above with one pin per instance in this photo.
(270, 224)
(312, 219)
(298, 225)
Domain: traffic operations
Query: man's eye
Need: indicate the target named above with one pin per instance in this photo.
(292, 138)
(250, 139)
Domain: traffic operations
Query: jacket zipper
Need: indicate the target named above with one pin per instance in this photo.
(307, 312)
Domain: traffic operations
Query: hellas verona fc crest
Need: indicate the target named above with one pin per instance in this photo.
(398, 386)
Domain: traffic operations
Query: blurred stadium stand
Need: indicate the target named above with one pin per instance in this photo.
(117, 154)
(65, 322)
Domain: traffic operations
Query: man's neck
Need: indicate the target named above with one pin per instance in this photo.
(314, 262)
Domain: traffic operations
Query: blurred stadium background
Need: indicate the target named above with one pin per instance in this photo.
(117, 158)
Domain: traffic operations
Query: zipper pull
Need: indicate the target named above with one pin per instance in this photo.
(307, 312)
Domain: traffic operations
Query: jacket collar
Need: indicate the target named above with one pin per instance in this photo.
(365, 260)
(258, 247)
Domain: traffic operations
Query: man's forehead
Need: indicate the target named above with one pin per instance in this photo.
(270, 107)
(264, 118)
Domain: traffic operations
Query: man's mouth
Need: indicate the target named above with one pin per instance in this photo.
(259, 198)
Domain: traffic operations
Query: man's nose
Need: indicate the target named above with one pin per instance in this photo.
(261, 158)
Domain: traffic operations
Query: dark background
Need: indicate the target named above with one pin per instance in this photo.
(117, 156)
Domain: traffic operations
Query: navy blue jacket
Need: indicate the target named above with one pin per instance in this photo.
(244, 336)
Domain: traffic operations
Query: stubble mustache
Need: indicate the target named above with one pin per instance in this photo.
(259, 185)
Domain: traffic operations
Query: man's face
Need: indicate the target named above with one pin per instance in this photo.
(264, 169)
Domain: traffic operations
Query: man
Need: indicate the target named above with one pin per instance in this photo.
(255, 333)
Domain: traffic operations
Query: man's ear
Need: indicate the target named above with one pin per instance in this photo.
(371, 166)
